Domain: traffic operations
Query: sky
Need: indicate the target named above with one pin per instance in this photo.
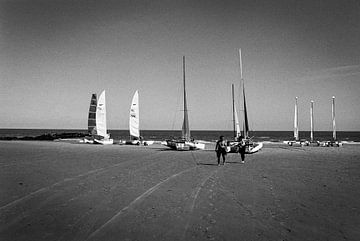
(55, 54)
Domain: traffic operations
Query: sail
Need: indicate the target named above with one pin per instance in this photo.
(296, 122)
(236, 124)
(134, 116)
(246, 122)
(333, 118)
(92, 115)
(101, 116)
(185, 133)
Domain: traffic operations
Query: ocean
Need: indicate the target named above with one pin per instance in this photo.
(205, 135)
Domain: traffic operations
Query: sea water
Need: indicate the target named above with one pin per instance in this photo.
(205, 135)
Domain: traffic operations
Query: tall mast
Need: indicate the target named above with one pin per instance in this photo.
(296, 121)
(312, 121)
(333, 118)
(246, 124)
(185, 127)
(233, 109)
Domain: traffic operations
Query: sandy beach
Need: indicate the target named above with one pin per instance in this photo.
(67, 191)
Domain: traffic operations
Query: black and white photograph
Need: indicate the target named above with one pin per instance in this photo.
(179, 120)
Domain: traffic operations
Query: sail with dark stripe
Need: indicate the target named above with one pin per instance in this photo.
(246, 122)
(92, 115)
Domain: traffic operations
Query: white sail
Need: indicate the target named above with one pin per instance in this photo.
(134, 116)
(101, 116)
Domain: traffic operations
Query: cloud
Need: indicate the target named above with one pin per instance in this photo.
(334, 73)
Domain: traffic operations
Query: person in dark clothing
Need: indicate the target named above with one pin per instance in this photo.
(220, 149)
(242, 147)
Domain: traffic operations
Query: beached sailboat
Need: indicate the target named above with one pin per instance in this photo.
(233, 146)
(296, 126)
(101, 136)
(134, 123)
(312, 141)
(334, 141)
(185, 142)
(134, 120)
(251, 146)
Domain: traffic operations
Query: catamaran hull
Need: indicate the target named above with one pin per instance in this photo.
(104, 141)
(331, 143)
(184, 145)
(251, 149)
(136, 143)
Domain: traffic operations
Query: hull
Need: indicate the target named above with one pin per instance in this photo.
(181, 145)
(136, 143)
(104, 141)
(251, 148)
(331, 143)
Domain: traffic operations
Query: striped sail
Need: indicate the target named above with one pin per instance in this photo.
(92, 115)
(246, 122)
(101, 116)
(134, 116)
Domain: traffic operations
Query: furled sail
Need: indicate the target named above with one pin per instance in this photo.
(185, 127)
(134, 116)
(312, 121)
(296, 121)
(333, 118)
(246, 122)
(92, 115)
(237, 125)
(101, 116)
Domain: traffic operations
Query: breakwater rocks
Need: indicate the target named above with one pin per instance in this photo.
(43, 137)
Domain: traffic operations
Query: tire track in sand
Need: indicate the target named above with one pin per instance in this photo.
(194, 197)
(137, 200)
(69, 179)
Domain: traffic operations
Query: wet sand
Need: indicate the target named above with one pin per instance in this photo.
(66, 191)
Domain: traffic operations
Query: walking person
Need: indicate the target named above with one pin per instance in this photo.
(220, 149)
(242, 147)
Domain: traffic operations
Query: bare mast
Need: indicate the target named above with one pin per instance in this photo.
(185, 126)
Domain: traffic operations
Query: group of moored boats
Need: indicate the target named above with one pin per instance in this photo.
(97, 128)
(312, 141)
